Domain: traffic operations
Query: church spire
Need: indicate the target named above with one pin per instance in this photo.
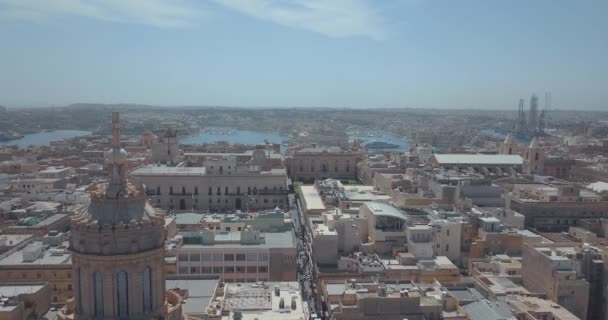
(117, 161)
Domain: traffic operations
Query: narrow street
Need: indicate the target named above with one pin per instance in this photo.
(304, 272)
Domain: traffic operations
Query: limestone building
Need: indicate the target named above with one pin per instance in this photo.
(534, 158)
(164, 150)
(117, 246)
(551, 269)
(315, 163)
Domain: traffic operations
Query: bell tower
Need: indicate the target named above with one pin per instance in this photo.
(509, 146)
(534, 158)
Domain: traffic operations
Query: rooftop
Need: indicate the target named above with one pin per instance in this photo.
(154, 170)
(271, 240)
(479, 159)
(385, 210)
(311, 198)
(260, 301)
(55, 257)
(320, 150)
(200, 292)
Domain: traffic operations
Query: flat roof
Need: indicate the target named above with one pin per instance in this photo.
(384, 210)
(311, 198)
(246, 153)
(16, 258)
(54, 169)
(479, 159)
(152, 170)
(200, 292)
(272, 240)
(12, 290)
(257, 302)
(320, 150)
(189, 218)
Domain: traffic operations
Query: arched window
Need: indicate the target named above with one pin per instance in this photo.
(98, 293)
(147, 285)
(122, 294)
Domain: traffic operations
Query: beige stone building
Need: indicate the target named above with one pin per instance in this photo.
(363, 300)
(315, 163)
(551, 269)
(555, 206)
(23, 301)
(216, 187)
(117, 246)
(245, 247)
(32, 263)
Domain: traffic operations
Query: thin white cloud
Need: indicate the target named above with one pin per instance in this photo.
(334, 18)
(159, 13)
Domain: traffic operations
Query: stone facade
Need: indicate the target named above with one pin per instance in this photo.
(215, 192)
(117, 246)
(311, 164)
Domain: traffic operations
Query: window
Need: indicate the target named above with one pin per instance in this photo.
(183, 190)
(226, 190)
(122, 294)
(98, 293)
(205, 270)
(171, 190)
(147, 290)
(195, 257)
(252, 257)
(251, 269)
(240, 269)
(219, 191)
(238, 190)
(195, 270)
(218, 257)
(262, 269)
(196, 191)
(158, 190)
(210, 191)
(265, 200)
(206, 257)
(182, 257)
(229, 270)
(263, 256)
(240, 257)
(217, 270)
(228, 257)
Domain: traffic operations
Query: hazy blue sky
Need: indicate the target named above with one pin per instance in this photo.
(335, 53)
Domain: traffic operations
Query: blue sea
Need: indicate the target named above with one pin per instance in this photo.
(45, 138)
(236, 137)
